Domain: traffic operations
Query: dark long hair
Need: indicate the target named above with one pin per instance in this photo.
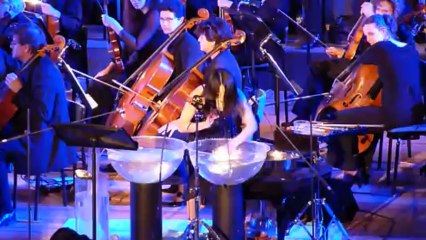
(215, 29)
(213, 81)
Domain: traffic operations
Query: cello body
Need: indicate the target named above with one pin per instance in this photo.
(150, 79)
(172, 105)
(352, 93)
(132, 107)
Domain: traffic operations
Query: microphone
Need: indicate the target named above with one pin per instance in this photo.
(73, 44)
(197, 101)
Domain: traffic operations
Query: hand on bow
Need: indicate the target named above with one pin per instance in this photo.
(13, 82)
(334, 52)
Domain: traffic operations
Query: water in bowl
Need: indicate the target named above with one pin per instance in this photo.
(143, 166)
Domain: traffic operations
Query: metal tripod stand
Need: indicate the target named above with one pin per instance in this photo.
(319, 231)
(192, 231)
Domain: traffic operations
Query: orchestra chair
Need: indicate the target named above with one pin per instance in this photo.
(76, 111)
(402, 133)
(408, 133)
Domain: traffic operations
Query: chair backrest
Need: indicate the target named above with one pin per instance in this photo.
(423, 81)
(76, 110)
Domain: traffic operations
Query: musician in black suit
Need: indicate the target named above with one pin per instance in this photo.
(40, 89)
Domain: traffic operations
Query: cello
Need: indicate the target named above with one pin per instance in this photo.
(151, 77)
(353, 92)
(179, 90)
(354, 38)
(7, 106)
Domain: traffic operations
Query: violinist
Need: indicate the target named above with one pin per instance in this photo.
(70, 16)
(323, 73)
(399, 82)
(142, 46)
(146, 41)
(69, 13)
(39, 88)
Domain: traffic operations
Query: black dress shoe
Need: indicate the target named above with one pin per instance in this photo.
(7, 218)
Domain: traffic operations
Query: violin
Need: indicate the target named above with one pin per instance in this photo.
(416, 19)
(151, 77)
(179, 90)
(354, 38)
(7, 106)
(51, 22)
(114, 46)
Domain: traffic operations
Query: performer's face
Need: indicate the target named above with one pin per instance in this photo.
(18, 50)
(205, 45)
(384, 7)
(374, 34)
(138, 4)
(169, 22)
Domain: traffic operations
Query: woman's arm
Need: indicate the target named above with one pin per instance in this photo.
(249, 122)
(184, 122)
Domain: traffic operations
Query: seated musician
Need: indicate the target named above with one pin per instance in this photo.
(11, 13)
(399, 82)
(147, 40)
(70, 15)
(323, 73)
(39, 88)
(225, 110)
(185, 49)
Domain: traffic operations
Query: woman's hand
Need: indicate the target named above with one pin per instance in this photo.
(112, 23)
(334, 52)
(108, 69)
(367, 8)
(13, 82)
(210, 120)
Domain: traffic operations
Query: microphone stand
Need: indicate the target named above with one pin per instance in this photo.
(193, 228)
(27, 132)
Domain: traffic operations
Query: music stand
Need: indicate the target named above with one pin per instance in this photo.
(266, 44)
(94, 136)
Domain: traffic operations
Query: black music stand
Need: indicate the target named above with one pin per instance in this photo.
(94, 136)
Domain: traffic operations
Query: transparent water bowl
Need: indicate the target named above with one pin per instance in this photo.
(219, 167)
(143, 165)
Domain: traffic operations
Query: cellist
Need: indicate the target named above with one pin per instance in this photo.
(399, 83)
(323, 73)
(39, 88)
(185, 49)
(141, 46)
